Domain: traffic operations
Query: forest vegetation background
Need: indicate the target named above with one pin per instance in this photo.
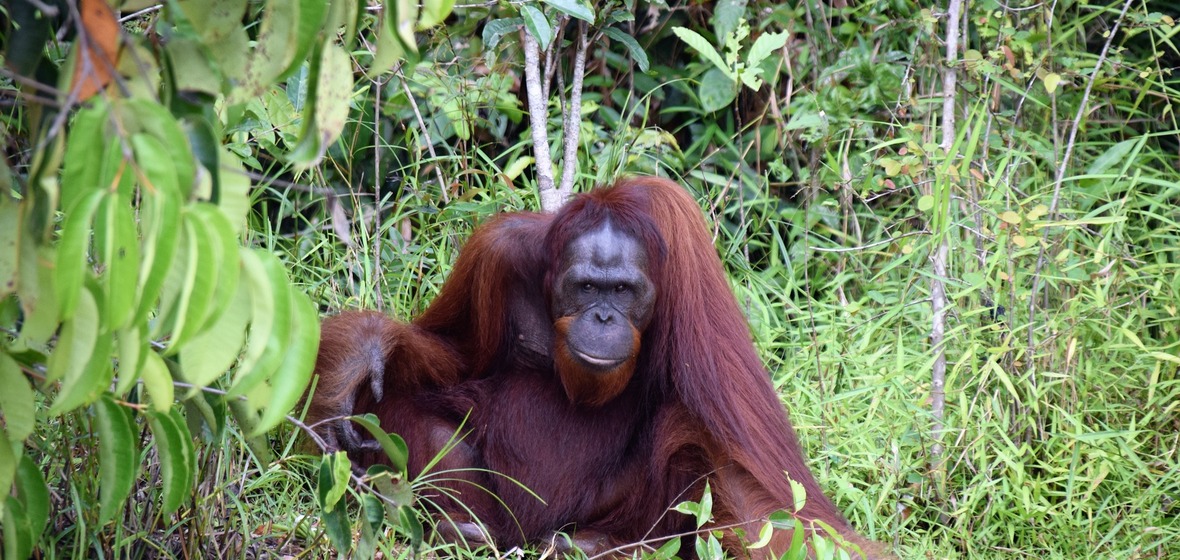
(953, 229)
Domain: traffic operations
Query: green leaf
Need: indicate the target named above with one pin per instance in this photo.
(157, 381)
(290, 381)
(72, 267)
(766, 45)
(213, 352)
(274, 50)
(174, 444)
(81, 387)
(333, 94)
(702, 46)
(335, 469)
(132, 348)
(925, 203)
(372, 517)
(574, 9)
(434, 12)
(118, 456)
(312, 19)
(16, 400)
(270, 320)
(389, 47)
(163, 127)
(79, 334)
(178, 284)
(234, 201)
(339, 529)
(86, 148)
(118, 246)
(10, 242)
(637, 53)
(392, 444)
(726, 15)
(1051, 80)
(1113, 155)
(159, 212)
(405, 17)
(538, 25)
(717, 91)
(224, 243)
(33, 495)
(496, 29)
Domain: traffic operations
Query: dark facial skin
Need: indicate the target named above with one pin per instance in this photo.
(604, 286)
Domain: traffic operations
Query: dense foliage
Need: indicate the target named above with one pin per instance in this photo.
(183, 186)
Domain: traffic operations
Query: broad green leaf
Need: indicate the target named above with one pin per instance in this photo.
(8, 463)
(234, 201)
(341, 22)
(717, 90)
(37, 293)
(274, 50)
(290, 381)
(159, 212)
(10, 244)
(1051, 81)
(405, 17)
(389, 47)
(702, 46)
(81, 387)
(1113, 155)
(72, 267)
(204, 276)
(16, 400)
(133, 349)
(726, 15)
(163, 127)
(335, 469)
(798, 495)
(573, 8)
(333, 93)
(33, 495)
(174, 444)
(925, 203)
(434, 12)
(224, 243)
(537, 25)
(213, 352)
(86, 147)
(637, 53)
(118, 247)
(270, 320)
(766, 45)
(392, 444)
(193, 68)
(178, 283)
(371, 518)
(79, 334)
(336, 524)
(118, 456)
(496, 29)
(308, 150)
(312, 16)
(157, 381)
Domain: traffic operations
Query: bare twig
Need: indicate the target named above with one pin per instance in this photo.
(572, 118)
(442, 184)
(938, 301)
(538, 121)
(1060, 178)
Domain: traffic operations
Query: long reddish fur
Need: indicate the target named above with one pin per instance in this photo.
(716, 415)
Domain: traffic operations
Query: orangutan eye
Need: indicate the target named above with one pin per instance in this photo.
(587, 287)
(621, 288)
